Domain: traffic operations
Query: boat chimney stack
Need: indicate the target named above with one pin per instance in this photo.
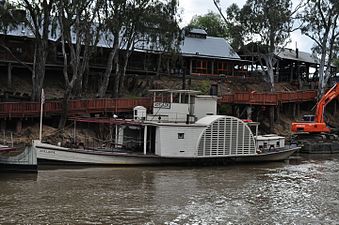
(296, 50)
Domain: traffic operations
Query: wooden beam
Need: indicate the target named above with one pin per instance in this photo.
(9, 75)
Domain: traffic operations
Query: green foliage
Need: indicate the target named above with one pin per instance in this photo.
(225, 109)
(268, 21)
(201, 85)
(144, 20)
(211, 22)
(336, 63)
(320, 23)
(7, 20)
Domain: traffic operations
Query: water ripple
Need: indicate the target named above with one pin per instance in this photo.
(301, 192)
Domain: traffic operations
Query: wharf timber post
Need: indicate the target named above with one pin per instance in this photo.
(18, 127)
(9, 75)
(3, 125)
(271, 112)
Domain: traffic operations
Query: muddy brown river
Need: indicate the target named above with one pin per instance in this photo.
(304, 190)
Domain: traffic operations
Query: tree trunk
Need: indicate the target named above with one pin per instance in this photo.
(38, 74)
(86, 78)
(269, 64)
(159, 65)
(117, 78)
(65, 101)
(108, 71)
(9, 75)
(123, 72)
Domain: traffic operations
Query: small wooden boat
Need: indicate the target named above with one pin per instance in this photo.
(18, 160)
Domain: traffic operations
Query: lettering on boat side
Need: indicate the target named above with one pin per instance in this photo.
(47, 151)
(163, 105)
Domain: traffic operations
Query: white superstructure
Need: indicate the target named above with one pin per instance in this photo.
(211, 136)
(183, 127)
(181, 105)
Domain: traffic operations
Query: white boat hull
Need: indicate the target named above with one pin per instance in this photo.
(19, 160)
(51, 154)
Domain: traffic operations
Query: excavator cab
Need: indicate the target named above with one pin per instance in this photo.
(309, 118)
(315, 123)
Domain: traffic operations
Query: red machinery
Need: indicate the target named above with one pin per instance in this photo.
(316, 123)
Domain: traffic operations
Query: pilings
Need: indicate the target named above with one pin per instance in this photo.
(18, 127)
(2, 125)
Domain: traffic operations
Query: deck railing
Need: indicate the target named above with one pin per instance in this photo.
(32, 109)
(104, 105)
(276, 98)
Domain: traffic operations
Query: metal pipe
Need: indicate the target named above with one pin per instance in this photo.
(145, 140)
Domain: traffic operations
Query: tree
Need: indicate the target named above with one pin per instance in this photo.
(269, 22)
(114, 12)
(79, 35)
(37, 16)
(39, 21)
(10, 18)
(158, 31)
(211, 22)
(321, 20)
(6, 16)
(130, 22)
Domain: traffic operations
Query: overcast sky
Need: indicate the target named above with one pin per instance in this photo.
(200, 7)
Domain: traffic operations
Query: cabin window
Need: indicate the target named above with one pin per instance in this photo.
(265, 144)
(181, 135)
(278, 143)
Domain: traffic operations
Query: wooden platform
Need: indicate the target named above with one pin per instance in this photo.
(105, 105)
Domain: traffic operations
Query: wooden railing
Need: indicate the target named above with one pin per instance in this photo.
(76, 107)
(87, 106)
(268, 98)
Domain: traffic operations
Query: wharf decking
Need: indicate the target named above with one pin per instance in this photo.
(116, 105)
(268, 98)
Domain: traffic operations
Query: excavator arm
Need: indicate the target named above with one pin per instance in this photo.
(327, 98)
(318, 125)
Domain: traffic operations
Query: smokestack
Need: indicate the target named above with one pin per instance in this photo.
(296, 50)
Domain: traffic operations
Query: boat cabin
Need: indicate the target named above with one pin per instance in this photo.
(181, 106)
(270, 142)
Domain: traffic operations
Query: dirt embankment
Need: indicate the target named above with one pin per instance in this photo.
(139, 86)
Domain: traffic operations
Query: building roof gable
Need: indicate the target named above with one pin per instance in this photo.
(302, 56)
(210, 47)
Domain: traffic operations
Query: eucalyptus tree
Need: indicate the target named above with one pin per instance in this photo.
(79, 35)
(6, 17)
(114, 20)
(321, 20)
(157, 32)
(39, 20)
(10, 18)
(211, 22)
(37, 17)
(266, 22)
(131, 22)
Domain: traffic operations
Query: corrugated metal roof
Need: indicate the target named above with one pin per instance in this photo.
(302, 56)
(105, 39)
(198, 31)
(210, 47)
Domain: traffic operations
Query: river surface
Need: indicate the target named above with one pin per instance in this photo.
(304, 190)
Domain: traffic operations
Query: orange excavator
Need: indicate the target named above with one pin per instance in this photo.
(314, 124)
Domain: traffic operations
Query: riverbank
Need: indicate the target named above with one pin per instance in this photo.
(138, 86)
